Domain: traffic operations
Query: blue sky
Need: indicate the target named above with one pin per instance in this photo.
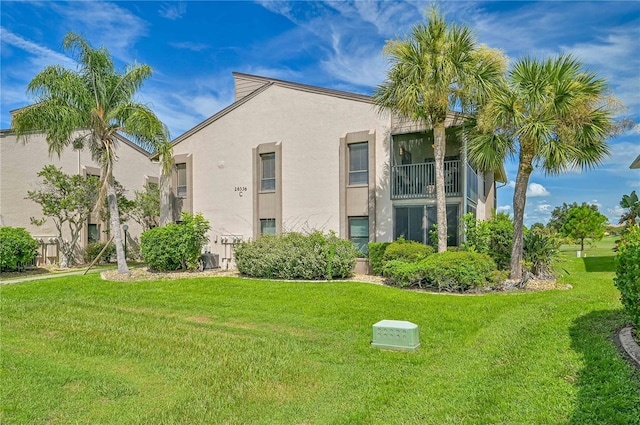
(194, 46)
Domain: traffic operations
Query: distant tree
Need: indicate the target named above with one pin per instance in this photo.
(146, 208)
(632, 205)
(583, 222)
(68, 201)
(559, 215)
(538, 228)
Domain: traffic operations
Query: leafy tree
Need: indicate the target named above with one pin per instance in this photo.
(553, 115)
(559, 215)
(632, 204)
(437, 69)
(146, 208)
(583, 222)
(492, 237)
(90, 107)
(68, 201)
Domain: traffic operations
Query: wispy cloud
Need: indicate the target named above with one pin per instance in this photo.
(40, 56)
(189, 45)
(109, 24)
(173, 11)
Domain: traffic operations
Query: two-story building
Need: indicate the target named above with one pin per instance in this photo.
(292, 157)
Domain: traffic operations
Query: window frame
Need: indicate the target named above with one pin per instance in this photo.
(264, 221)
(363, 245)
(268, 182)
(181, 168)
(359, 181)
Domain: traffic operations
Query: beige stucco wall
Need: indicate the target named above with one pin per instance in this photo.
(308, 127)
(20, 163)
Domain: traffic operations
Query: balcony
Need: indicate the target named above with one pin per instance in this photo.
(416, 181)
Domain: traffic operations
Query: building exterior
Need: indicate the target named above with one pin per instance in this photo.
(292, 157)
(19, 165)
(636, 163)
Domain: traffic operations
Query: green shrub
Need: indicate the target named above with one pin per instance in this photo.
(297, 256)
(93, 249)
(444, 271)
(407, 251)
(17, 247)
(540, 252)
(492, 237)
(175, 246)
(627, 278)
(376, 252)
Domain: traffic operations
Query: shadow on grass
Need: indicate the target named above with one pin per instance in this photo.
(608, 387)
(599, 264)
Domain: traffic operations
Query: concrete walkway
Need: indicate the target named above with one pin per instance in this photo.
(51, 276)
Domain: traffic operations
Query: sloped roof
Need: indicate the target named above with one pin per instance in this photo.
(636, 163)
(262, 84)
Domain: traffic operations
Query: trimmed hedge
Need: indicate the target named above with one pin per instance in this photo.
(627, 278)
(175, 246)
(444, 271)
(93, 249)
(376, 252)
(408, 251)
(17, 247)
(297, 256)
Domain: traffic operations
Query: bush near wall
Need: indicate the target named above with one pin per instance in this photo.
(17, 247)
(444, 271)
(93, 249)
(297, 256)
(627, 278)
(376, 252)
(175, 246)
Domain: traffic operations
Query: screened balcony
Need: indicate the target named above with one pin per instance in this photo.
(416, 181)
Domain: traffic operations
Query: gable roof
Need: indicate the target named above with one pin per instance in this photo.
(636, 163)
(248, 86)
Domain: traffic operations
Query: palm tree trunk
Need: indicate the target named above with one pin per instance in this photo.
(439, 146)
(525, 169)
(166, 206)
(115, 228)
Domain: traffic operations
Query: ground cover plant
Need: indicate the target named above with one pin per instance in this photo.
(238, 351)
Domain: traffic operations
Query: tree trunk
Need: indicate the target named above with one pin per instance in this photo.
(166, 204)
(115, 229)
(439, 147)
(525, 169)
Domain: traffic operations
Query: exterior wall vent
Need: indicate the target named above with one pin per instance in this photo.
(396, 335)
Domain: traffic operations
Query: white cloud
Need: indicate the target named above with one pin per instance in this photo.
(511, 184)
(173, 11)
(40, 56)
(536, 190)
(543, 207)
(504, 208)
(188, 45)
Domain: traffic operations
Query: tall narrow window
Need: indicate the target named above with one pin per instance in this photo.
(359, 233)
(93, 233)
(267, 226)
(358, 163)
(268, 172)
(181, 189)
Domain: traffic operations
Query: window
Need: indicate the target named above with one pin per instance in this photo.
(268, 172)
(358, 163)
(93, 233)
(359, 233)
(267, 226)
(181, 190)
(416, 222)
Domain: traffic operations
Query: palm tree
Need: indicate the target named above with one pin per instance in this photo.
(632, 204)
(165, 155)
(88, 108)
(437, 69)
(553, 115)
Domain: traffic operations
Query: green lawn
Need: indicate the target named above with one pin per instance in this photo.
(235, 351)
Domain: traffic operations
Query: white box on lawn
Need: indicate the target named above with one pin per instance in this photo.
(396, 335)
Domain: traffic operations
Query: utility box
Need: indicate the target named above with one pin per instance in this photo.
(396, 335)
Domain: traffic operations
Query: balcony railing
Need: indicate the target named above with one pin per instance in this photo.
(414, 181)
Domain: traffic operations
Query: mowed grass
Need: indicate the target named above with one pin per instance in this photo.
(238, 351)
